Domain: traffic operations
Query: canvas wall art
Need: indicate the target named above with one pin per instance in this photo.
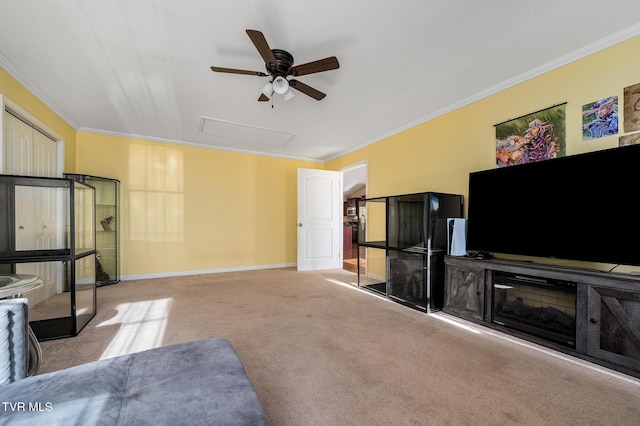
(534, 137)
(632, 108)
(632, 139)
(600, 119)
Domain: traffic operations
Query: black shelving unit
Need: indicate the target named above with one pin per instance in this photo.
(402, 241)
(48, 230)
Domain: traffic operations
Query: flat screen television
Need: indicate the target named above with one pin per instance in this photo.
(581, 207)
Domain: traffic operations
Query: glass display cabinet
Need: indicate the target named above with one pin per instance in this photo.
(372, 244)
(402, 242)
(107, 235)
(48, 230)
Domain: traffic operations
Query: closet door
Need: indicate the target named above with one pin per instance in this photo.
(36, 212)
(17, 146)
(27, 151)
(45, 155)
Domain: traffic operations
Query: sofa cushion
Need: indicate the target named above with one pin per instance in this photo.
(194, 383)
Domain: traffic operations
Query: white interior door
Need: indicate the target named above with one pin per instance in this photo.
(27, 151)
(319, 219)
(45, 155)
(36, 229)
(17, 146)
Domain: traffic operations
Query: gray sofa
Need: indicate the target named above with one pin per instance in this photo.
(195, 383)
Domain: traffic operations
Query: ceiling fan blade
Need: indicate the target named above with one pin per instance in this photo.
(263, 47)
(307, 90)
(235, 71)
(263, 98)
(326, 64)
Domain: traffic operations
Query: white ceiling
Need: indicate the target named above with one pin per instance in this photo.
(142, 67)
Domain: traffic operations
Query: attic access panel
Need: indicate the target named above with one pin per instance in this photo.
(221, 130)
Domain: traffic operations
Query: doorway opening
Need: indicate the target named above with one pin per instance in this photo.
(354, 189)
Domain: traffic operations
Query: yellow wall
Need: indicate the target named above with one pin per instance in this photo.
(191, 209)
(439, 154)
(15, 91)
(184, 208)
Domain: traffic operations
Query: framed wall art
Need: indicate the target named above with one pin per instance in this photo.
(630, 139)
(632, 108)
(600, 119)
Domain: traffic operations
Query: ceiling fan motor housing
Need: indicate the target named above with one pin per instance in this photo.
(284, 61)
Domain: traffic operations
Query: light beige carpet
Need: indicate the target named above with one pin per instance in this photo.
(323, 353)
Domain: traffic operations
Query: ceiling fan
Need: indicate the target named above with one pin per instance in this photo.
(280, 68)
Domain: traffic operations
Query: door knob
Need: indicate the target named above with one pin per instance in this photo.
(21, 227)
(299, 225)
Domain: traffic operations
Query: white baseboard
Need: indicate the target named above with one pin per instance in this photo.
(204, 271)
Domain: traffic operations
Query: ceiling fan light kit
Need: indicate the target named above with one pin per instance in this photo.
(280, 85)
(289, 95)
(279, 65)
(267, 90)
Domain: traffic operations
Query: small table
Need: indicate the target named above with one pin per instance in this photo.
(14, 286)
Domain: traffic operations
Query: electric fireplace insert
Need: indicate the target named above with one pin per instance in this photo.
(541, 307)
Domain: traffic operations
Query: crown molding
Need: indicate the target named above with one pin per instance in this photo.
(590, 49)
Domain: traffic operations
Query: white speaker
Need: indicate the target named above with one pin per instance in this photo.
(457, 236)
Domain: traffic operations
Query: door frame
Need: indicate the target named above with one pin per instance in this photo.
(357, 165)
(353, 166)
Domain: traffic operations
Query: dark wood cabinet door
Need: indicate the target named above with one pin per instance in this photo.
(613, 324)
(465, 291)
